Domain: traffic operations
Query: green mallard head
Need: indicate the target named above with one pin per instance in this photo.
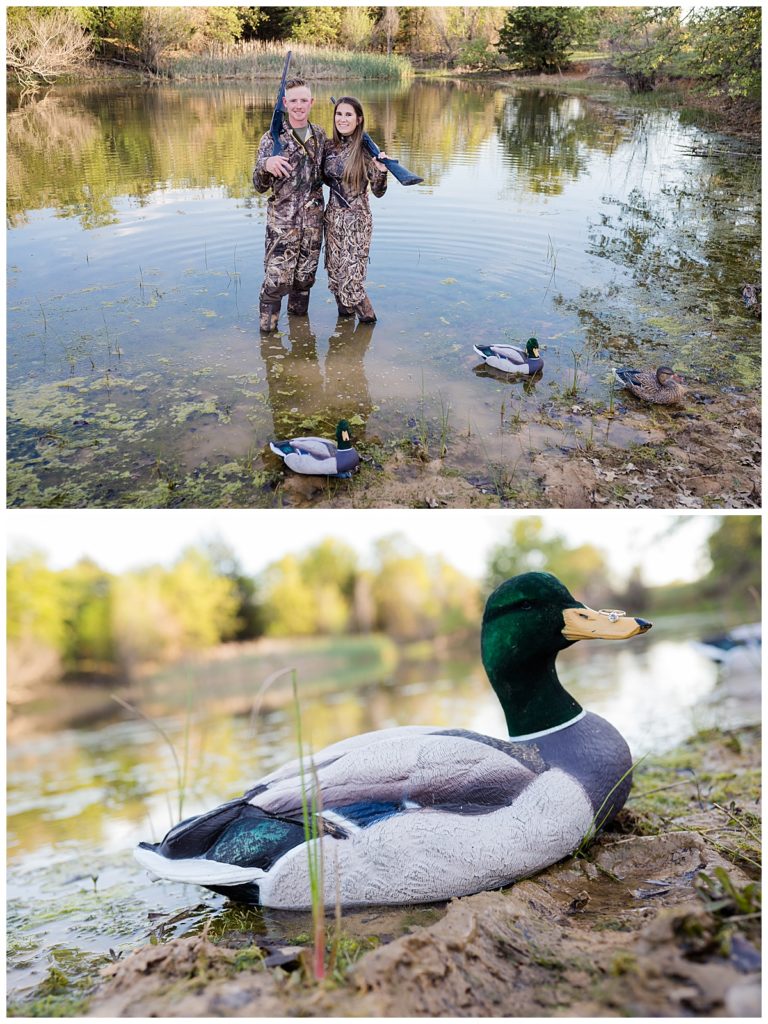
(527, 621)
(343, 435)
(532, 348)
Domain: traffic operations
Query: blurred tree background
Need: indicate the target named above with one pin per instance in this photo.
(82, 621)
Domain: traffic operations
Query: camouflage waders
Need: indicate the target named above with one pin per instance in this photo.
(348, 234)
(294, 223)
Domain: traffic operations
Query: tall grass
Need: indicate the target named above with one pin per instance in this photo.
(258, 59)
(181, 773)
(311, 809)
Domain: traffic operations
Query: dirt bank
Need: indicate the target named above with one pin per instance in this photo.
(703, 455)
(660, 917)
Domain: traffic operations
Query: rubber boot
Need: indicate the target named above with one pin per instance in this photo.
(269, 314)
(298, 303)
(344, 311)
(365, 312)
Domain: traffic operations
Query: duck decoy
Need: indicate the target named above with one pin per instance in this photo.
(317, 457)
(750, 294)
(414, 814)
(511, 359)
(660, 387)
(739, 648)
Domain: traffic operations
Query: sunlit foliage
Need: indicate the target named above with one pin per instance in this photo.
(541, 39)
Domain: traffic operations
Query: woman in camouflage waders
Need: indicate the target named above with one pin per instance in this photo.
(349, 170)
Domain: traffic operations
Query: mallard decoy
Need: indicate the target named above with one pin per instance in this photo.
(317, 457)
(512, 359)
(660, 387)
(421, 813)
(738, 649)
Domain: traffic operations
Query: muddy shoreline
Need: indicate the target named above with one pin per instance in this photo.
(659, 917)
(703, 455)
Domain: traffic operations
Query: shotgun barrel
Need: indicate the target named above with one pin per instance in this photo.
(276, 124)
(403, 175)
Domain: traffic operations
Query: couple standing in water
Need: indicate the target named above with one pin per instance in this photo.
(296, 216)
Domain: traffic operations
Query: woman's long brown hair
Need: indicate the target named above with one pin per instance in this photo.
(355, 176)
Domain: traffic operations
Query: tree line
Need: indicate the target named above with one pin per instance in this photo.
(85, 620)
(718, 46)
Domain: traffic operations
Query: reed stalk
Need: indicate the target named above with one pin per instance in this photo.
(311, 809)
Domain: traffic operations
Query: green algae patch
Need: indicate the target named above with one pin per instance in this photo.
(48, 406)
(181, 413)
(670, 325)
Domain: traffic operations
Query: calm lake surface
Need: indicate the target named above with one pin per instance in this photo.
(81, 796)
(136, 372)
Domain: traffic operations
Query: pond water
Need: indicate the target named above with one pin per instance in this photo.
(80, 797)
(136, 372)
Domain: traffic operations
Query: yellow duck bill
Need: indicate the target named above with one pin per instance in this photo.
(607, 624)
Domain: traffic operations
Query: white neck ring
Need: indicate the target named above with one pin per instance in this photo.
(547, 732)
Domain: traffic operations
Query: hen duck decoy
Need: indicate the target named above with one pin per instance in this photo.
(660, 387)
(317, 457)
(419, 813)
(512, 359)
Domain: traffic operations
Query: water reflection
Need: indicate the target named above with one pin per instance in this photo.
(598, 229)
(307, 399)
(547, 137)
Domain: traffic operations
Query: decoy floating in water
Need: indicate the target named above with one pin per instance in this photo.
(660, 387)
(418, 813)
(317, 457)
(511, 359)
(738, 649)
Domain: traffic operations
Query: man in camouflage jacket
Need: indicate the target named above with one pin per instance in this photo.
(294, 210)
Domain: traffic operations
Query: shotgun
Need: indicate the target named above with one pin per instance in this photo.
(404, 176)
(276, 123)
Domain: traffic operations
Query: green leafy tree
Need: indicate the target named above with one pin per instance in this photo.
(540, 39)
(356, 28)
(249, 621)
(251, 21)
(312, 593)
(275, 22)
(646, 42)
(115, 30)
(331, 561)
(403, 592)
(35, 601)
(734, 549)
(162, 614)
(88, 617)
(289, 601)
(36, 631)
(203, 602)
(214, 25)
(459, 598)
(318, 25)
(726, 49)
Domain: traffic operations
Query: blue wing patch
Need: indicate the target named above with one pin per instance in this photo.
(367, 812)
